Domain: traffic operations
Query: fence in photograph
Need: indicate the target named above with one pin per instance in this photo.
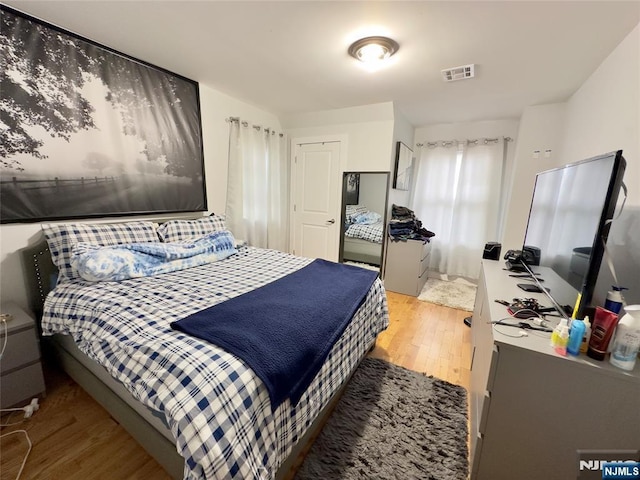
(56, 183)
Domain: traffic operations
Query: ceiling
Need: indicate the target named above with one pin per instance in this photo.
(291, 57)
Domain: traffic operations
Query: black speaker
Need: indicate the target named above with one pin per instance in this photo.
(492, 251)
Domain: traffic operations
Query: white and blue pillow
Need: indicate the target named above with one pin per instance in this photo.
(360, 214)
(135, 260)
(61, 239)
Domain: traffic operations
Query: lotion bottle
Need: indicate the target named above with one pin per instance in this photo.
(602, 330)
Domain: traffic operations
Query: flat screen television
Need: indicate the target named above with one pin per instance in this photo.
(569, 221)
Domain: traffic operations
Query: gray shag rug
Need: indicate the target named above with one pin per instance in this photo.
(392, 423)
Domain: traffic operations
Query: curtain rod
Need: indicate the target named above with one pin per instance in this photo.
(449, 143)
(244, 123)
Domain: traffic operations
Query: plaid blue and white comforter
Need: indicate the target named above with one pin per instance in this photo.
(217, 409)
(371, 233)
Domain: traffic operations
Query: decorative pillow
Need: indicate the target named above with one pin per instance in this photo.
(367, 218)
(134, 260)
(184, 230)
(353, 210)
(62, 238)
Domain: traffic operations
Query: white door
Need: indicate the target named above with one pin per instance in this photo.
(316, 200)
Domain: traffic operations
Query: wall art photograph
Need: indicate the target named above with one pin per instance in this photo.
(86, 131)
(404, 167)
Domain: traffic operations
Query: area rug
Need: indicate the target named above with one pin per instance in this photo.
(392, 423)
(363, 265)
(458, 293)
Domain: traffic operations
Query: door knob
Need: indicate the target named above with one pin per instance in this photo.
(331, 222)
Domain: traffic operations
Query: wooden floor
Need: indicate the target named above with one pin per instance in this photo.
(75, 439)
(427, 338)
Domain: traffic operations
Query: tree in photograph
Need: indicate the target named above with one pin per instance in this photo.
(96, 161)
(152, 108)
(40, 84)
(42, 75)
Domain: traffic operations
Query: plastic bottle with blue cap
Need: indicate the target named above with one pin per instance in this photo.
(613, 302)
(626, 343)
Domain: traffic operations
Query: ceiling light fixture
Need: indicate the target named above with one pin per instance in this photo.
(373, 49)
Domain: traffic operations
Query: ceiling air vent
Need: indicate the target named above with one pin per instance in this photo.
(458, 73)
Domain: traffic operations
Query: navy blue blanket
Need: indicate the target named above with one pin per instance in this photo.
(284, 330)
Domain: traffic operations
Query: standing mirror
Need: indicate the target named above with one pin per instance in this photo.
(364, 211)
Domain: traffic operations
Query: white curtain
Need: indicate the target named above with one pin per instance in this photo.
(278, 219)
(257, 187)
(457, 196)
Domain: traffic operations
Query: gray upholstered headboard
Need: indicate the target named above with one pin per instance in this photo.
(40, 274)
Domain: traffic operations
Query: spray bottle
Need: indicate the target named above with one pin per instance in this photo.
(555, 335)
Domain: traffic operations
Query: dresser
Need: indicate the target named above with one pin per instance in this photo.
(532, 409)
(406, 266)
(20, 369)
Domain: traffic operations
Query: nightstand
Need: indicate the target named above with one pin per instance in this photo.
(20, 370)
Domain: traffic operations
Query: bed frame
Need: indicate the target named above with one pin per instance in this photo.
(359, 250)
(40, 274)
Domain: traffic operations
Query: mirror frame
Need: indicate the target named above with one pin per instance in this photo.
(404, 167)
(343, 217)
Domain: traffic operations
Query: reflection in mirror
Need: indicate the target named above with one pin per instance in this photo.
(364, 207)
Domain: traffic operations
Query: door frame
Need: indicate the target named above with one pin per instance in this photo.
(342, 164)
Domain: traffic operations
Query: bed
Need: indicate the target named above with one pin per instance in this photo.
(198, 409)
(364, 231)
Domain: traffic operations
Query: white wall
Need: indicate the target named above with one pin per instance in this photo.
(371, 194)
(403, 132)
(541, 129)
(604, 114)
(368, 129)
(472, 130)
(215, 108)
